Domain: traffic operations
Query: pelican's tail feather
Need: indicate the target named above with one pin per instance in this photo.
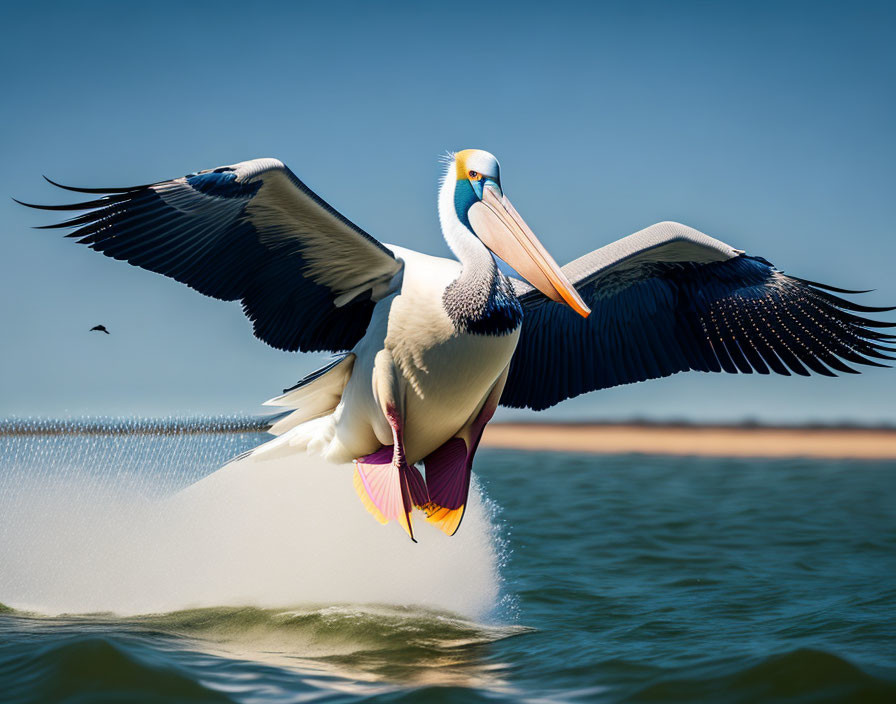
(311, 426)
(389, 491)
(448, 483)
(313, 436)
(314, 396)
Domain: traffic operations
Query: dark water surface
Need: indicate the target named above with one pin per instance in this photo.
(626, 578)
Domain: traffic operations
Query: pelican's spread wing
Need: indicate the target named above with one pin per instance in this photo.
(669, 299)
(307, 277)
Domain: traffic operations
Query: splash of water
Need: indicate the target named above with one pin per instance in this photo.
(265, 534)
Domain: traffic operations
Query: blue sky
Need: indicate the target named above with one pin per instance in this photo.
(767, 125)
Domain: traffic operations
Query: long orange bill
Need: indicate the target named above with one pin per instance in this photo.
(503, 231)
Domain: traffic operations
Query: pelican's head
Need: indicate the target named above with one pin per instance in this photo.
(482, 207)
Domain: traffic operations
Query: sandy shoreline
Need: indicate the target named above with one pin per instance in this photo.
(700, 441)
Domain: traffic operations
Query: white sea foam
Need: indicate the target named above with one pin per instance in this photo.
(266, 534)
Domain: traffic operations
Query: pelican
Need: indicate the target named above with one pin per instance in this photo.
(428, 347)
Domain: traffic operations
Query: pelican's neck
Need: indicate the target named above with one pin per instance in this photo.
(481, 299)
(475, 258)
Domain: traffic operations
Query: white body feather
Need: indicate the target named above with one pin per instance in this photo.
(444, 375)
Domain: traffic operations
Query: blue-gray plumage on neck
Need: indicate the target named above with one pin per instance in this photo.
(482, 301)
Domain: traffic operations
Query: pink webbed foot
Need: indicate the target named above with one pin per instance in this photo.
(389, 487)
(448, 472)
(449, 468)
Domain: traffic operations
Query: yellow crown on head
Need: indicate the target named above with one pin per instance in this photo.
(460, 161)
(476, 160)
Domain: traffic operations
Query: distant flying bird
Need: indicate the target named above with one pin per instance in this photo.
(99, 328)
(429, 347)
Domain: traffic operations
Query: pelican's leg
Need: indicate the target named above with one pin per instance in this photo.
(448, 469)
(389, 487)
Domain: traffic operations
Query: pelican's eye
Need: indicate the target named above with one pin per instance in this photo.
(475, 175)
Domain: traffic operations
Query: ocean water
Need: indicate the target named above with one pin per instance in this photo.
(132, 571)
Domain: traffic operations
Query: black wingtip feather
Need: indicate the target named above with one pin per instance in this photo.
(859, 308)
(78, 189)
(55, 226)
(85, 205)
(828, 287)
